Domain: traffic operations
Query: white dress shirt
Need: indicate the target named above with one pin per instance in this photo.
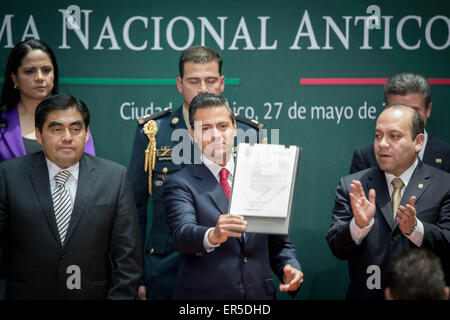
(358, 234)
(71, 183)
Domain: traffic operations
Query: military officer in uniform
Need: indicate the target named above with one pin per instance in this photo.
(155, 156)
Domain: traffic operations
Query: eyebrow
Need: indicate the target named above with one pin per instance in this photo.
(56, 123)
(214, 124)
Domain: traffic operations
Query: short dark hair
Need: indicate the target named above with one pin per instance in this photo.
(199, 54)
(416, 274)
(408, 83)
(59, 102)
(417, 124)
(208, 100)
(11, 96)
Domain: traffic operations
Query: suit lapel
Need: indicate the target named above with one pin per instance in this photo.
(41, 185)
(377, 181)
(86, 181)
(212, 187)
(419, 182)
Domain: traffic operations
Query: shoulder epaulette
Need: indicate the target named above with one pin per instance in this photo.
(154, 116)
(251, 122)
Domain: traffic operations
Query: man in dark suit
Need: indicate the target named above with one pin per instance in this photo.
(217, 260)
(364, 230)
(200, 71)
(68, 223)
(415, 91)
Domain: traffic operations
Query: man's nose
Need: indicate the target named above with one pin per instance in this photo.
(67, 135)
(214, 134)
(202, 87)
(383, 143)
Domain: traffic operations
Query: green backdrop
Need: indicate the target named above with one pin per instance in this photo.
(124, 60)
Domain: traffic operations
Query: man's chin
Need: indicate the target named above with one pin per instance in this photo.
(217, 158)
(66, 162)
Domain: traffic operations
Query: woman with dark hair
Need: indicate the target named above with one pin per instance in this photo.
(31, 75)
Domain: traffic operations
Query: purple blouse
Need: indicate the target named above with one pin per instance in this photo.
(11, 142)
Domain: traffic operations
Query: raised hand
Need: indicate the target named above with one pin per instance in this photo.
(363, 209)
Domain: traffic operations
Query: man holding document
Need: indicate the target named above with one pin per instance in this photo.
(220, 261)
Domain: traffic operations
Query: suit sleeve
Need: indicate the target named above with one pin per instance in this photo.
(125, 246)
(338, 236)
(282, 252)
(181, 217)
(139, 183)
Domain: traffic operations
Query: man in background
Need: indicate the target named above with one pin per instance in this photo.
(412, 90)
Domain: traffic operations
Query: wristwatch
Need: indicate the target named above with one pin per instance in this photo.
(412, 230)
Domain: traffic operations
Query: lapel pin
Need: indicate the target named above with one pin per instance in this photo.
(175, 120)
(438, 160)
(420, 186)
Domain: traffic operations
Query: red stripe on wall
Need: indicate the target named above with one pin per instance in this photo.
(359, 81)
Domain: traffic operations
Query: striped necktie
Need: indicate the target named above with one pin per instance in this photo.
(62, 203)
(223, 175)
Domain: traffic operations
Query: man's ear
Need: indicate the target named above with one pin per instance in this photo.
(180, 85)
(38, 135)
(446, 293)
(222, 84)
(429, 106)
(388, 294)
(87, 135)
(419, 142)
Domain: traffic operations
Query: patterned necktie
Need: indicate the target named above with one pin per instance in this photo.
(62, 203)
(396, 194)
(223, 175)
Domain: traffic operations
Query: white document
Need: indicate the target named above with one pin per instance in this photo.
(263, 180)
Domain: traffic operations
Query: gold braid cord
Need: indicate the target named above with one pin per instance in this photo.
(150, 129)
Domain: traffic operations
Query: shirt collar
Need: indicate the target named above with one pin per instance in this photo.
(215, 168)
(53, 169)
(405, 176)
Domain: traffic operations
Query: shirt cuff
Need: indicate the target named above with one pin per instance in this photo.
(357, 233)
(416, 236)
(209, 247)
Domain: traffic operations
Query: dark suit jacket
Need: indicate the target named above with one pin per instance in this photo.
(236, 270)
(161, 260)
(102, 238)
(432, 189)
(436, 154)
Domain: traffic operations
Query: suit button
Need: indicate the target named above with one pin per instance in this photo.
(241, 286)
(152, 250)
(245, 259)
